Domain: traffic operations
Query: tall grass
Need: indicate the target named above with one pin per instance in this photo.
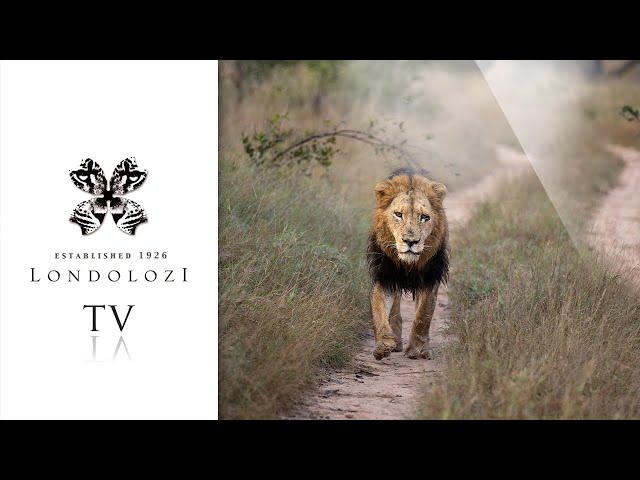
(292, 286)
(543, 331)
(543, 327)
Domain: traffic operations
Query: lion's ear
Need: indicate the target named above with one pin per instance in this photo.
(439, 190)
(384, 193)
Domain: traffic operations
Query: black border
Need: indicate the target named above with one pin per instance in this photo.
(320, 31)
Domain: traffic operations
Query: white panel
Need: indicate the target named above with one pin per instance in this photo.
(53, 115)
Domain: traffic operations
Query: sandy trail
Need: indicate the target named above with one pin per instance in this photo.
(387, 389)
(616, 225)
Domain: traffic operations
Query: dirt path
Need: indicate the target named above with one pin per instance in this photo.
(386, 389)
(616, 225)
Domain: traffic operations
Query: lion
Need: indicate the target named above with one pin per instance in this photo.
(407, 252)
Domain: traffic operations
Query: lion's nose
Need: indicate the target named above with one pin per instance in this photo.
(410, 243)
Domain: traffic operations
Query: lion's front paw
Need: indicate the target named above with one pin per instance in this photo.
(384, 348)
(418, 351)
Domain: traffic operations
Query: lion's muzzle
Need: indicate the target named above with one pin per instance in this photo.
(410, 246)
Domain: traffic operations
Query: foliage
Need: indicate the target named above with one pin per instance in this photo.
(630, 114)
(277, 145)
(256, 71)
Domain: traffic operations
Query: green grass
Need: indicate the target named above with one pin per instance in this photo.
(542, 330)
(292, 287)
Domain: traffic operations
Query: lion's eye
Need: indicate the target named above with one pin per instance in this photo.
(398, 214)
(424, 217)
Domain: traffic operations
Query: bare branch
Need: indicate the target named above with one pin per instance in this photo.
(279, 146)
(359, 135)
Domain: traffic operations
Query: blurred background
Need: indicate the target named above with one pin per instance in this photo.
(454, 113)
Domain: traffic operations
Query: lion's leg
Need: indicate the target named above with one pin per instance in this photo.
(381, 304)
(396, 321)
(419, 338)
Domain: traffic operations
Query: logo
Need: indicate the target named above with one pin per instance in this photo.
(126, 213)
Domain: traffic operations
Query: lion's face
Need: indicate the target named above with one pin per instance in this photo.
(410, 221)
(409, 209)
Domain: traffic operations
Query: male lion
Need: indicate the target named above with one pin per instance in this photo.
(407, 252)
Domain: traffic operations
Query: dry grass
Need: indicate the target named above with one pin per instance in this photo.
(544, 328)
(542, 331)
(293, 287)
